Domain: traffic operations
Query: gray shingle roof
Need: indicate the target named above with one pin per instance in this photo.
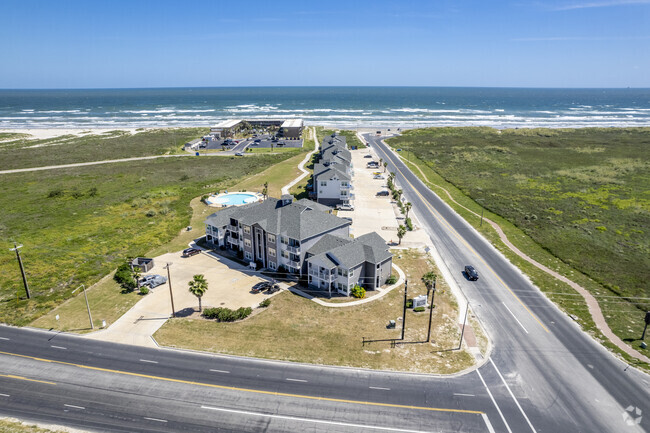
(349, 252)
(296, 220)
(323, 172)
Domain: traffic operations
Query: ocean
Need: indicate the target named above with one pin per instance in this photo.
(343, 107)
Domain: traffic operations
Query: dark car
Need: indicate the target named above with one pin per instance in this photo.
(188, 252)
(471, 273)
(260, 287)
(258, 140)
(368, 156)
(274, 288)
(383, 193)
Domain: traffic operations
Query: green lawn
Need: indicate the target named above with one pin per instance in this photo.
(77, 224)
(578, 195)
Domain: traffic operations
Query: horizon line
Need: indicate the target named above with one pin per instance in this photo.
(322, 86)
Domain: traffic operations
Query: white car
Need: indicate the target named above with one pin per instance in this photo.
(239, 154)
(345, 207)
(379, 176)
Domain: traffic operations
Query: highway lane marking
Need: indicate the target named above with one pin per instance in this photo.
(379, 388)
(513, 396)
(296, 380)
(4, 338)
(464, 395)
(75, 407)
(59, 347)
(255, 391)
(316, 421)
(220, 371)
(488, 423)
(460, 238)
(494, 401)
(149, 361)
(11, 376)
(155, 419)
(515, 317)
(5, 395)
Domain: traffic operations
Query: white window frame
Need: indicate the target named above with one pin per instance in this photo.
(247, 242)
(272, 239)
(272, 252)
(248, 256)
(247, 230)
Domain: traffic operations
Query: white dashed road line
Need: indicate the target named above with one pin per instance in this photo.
(149, 361)
(379, 388)
(74, 407)
(220, 371)
(155, 419)
(296, 380)
(59, 347)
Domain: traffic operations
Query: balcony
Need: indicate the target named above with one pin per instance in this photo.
(293, 249)
(232, 228)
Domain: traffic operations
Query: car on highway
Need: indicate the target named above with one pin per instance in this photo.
(239, 154)
(152, 281)
(378, 176)
(189, 252)
(258, 140)
(383, 193)
(345, 206)
(471, 273)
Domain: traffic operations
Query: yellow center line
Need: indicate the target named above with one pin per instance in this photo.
(234, 388)
(11, 376)
(443, 221)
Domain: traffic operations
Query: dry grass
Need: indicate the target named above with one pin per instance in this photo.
(11, 425)
(296, 329)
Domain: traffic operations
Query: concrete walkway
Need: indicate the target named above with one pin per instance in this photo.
(592, 303)
(381, 294)
(301, 166)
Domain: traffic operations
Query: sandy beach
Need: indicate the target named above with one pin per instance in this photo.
(46, 133)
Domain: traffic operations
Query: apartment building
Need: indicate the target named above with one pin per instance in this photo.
(332, 179)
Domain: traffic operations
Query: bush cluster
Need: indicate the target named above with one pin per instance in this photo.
(124, 277)
(419, 309)
(358, 292)
(392, 279)
(409, 224)
(223, 314)
(265, 303)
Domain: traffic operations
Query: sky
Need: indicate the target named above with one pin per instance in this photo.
(140, 43)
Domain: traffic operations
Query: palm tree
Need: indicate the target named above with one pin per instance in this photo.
(429, 280)
(385, 165)
(408, 207)
(401, 231)
(265, 191)
(399, 194)
(381, 162)
(198, 287)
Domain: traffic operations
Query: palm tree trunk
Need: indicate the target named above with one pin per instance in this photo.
(200, 308)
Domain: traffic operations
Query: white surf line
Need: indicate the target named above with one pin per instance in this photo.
(155, 419)
(488, 424)
(515, 317)
(513, 396)
(494, 401)
(59, 347)
(296, 380)
(379, 388)
(5, 338)
(74, 407)
(219, 371)
(149, 361)
(464, 395)
(316, 421)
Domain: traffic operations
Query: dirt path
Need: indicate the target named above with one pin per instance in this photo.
(592, 303)
(81, 164)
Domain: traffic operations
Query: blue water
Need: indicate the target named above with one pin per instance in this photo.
(349, 107)
(235, 199)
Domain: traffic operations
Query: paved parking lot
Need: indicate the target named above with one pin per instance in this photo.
(265, 142)
(229, 285)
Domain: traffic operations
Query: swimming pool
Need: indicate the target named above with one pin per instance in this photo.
(233, 199)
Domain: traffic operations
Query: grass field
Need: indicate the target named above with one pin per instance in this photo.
(21, 153)
(580, 195)
(296, 329)
(77, 224)
(14, 426)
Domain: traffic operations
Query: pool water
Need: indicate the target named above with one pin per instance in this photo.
(235, 199)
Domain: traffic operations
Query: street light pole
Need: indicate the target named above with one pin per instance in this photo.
(171, 294)
(22, 270)
(90, 317)
(406, 285)
(647, 322)
(433, 295)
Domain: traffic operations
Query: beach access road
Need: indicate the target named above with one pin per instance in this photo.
(556, 376)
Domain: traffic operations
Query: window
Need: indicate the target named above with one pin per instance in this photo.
(284, 240)
(272, 252)
(285, 254)
(247, 242)
(340, 271)
(344, 192)
(247, 230)
(248, 256)
(272, 265)
(344, 183)
(323, 183)
(272, 239)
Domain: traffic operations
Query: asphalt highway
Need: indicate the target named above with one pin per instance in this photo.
(544, 374)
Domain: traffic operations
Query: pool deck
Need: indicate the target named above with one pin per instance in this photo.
(211, 201)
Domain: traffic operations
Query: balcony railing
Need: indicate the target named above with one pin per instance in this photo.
(232, 228)
(293, 249)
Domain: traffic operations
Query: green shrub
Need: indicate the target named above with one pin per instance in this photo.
(358, 292)
(144, 290)
(124, 277)
(55, 193)
(151, 213)
(409, 224)
(223, 314)
(392, 279)
(265, 303)
(409, 303)
(418, 309)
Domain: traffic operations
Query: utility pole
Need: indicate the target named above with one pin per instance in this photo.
(90, 317)
(481, 224)
(433, 295)
(406, 285)
(647, 322)
(171, 295)
(22, 270)
(462, 333)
